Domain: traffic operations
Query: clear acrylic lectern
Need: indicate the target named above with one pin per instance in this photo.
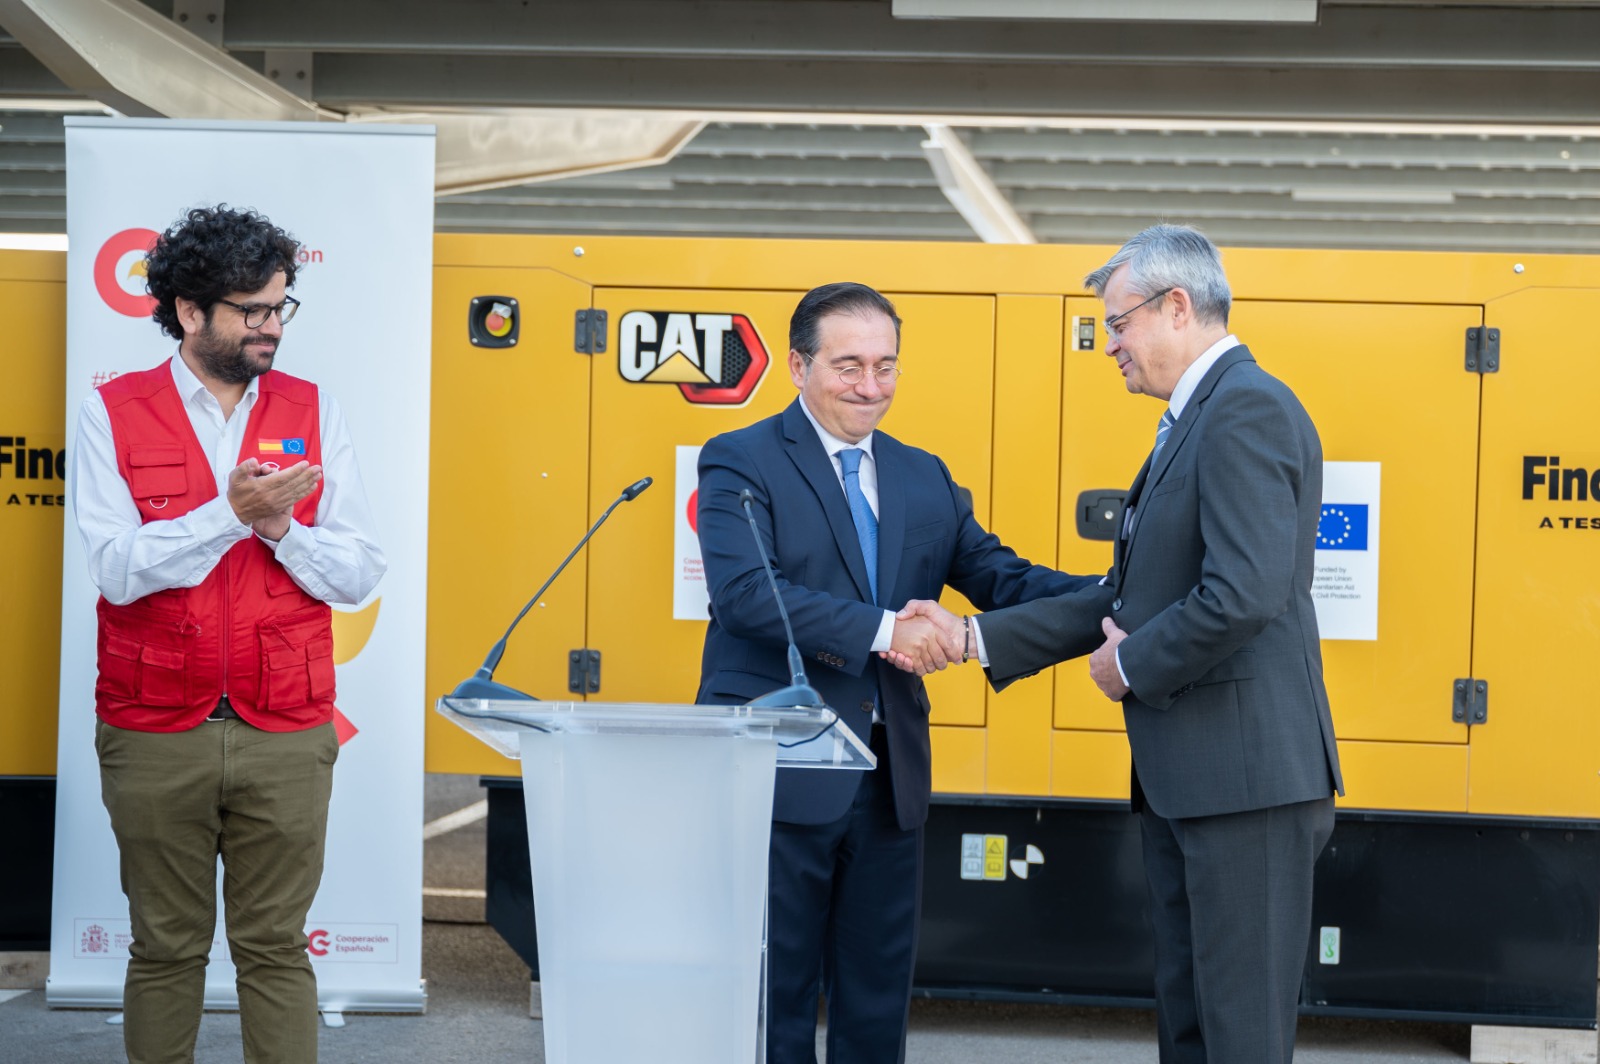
(648, 828)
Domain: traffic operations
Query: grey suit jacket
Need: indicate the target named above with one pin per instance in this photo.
(1227, 711)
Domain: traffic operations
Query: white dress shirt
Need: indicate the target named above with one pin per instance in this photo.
(1184, 389)
(869, 487)
(336, 560)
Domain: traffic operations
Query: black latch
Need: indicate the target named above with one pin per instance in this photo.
(1470, 702)
(1100, 513)
(1483, 349)
(583, 671)
(589, 332)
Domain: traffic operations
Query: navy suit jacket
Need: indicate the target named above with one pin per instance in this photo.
(927, 538)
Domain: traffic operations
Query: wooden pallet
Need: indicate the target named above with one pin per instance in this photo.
(23, 971)
(1532, 1045)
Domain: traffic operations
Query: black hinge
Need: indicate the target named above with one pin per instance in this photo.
(1483, 349)
(1470, 701)
(583, 671)
(589, 332)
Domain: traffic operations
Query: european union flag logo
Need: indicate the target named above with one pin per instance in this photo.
(1343, 526)
(298, 446)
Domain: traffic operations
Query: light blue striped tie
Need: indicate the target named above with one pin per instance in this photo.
(1162, 430)
(861, 513)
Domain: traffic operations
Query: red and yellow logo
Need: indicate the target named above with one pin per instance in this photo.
(714, 359)
(119, 272)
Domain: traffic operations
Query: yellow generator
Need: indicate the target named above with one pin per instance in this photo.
(1457, 576)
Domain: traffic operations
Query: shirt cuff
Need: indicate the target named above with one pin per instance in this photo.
(295, 542)
(885, 637)
(1118, 653)
(217, 526)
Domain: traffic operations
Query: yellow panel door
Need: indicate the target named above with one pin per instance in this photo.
(653, 395)
(1384, 384)
(1027, 428)
(1538, 565)
(32, 490)
(509, 494)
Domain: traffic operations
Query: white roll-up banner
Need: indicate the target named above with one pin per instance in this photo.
(360, 201)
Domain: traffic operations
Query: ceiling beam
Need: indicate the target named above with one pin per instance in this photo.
(973, 92)
(1490, 36)
(1376, 235)
(1188, 11)
(133, 60)
(971, 191)
(657, 221)
(997, 145)
(887, 201)
(1201, 207)
(475, 151)
(860, 175)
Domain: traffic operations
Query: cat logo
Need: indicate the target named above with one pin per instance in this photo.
(714, 359)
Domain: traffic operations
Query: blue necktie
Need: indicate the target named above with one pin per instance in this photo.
(1162, 430)
(1130, 516)
(861, 513)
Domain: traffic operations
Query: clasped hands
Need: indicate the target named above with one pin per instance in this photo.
(265, 500)
(928, 637)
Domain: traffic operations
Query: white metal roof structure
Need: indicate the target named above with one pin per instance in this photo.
(1286, 123)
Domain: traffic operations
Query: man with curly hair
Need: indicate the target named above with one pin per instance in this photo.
(221, 510)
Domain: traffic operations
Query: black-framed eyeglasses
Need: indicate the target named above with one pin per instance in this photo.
(884, 372)
(1115, 324)
(256, 314)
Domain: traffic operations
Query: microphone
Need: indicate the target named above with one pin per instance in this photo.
(799, 693)
(481, 683)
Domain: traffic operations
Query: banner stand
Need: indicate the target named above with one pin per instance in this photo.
(360, 201)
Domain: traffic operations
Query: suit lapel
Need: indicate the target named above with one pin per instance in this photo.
(888, 455)
(1124, 534)
(806, 452)
(1150, 474)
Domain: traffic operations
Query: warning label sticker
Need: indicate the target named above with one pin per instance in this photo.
(983, 857)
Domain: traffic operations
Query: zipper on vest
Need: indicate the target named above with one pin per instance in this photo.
(227, 619)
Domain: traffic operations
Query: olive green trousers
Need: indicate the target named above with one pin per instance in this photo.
(178, 801)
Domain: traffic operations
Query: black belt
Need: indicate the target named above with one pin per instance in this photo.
(224, 710)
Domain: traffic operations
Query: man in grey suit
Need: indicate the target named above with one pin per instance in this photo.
(1207, 636)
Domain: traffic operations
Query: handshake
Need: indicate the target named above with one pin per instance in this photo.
(927, 637)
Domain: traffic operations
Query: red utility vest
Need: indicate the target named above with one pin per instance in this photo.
(247, 631)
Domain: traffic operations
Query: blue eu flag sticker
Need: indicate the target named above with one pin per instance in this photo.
(298, 446)
(1343, 526)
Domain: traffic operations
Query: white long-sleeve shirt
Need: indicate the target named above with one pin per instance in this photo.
(336, 560)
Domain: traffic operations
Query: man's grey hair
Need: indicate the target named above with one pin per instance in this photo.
(1172, 256)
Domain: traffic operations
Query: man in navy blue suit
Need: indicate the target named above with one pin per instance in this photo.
(857, 524)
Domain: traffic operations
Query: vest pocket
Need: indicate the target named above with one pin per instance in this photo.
(157, 472)
(297, 656)
(140, 673)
